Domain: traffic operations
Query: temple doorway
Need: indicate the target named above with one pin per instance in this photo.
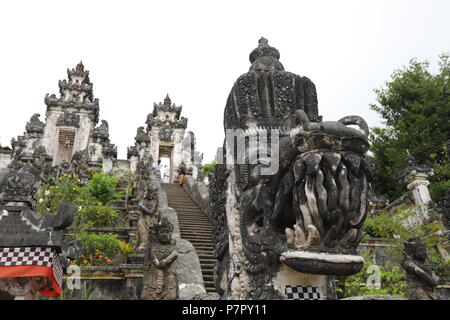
(165, 169)
(66, 138)
(165, 155)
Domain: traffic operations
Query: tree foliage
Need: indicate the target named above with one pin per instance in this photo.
(415, 107)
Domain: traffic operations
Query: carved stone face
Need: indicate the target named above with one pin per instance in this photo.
(165, 232)
(414, 247)
(309, 214)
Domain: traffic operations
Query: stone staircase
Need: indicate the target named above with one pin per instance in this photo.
(195, 227)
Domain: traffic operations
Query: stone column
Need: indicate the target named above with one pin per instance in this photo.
(107, 164)
(418, 183)
(133, 163)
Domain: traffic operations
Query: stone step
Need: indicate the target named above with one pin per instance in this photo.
(198, 243)
(202, 234)
(199, 238)
(199, 220)
(207, 261)
(194, 223)
(195, 227)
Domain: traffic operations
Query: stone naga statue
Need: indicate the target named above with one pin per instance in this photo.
(422, 281)
(160, 280)
(297, 225)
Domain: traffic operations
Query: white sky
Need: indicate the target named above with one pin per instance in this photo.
(137, 51)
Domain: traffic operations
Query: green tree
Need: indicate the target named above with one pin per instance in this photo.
(415, 107)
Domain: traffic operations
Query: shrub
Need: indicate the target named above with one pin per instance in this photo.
(392, 282)
(99, 249)
(102, 188)
(97, 216)
(208, 167)
(66, 190)
(386, 225)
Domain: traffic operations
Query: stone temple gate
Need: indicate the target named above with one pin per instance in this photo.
(70, 131)
(166, 129)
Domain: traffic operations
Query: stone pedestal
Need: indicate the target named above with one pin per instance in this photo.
(107, 165)
(418, 184)
(133, 164)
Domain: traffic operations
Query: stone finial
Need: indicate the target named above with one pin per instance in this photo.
(80, 66)
(413, 169)
(35, 125)
(167, 101)
(264, 49)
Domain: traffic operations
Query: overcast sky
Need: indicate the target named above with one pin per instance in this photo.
(137, 51)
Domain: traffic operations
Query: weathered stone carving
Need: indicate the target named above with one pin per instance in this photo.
(142, 136)
(422, 281)
(109, 151)
(160, 280)
(217, 206)
(17, 186)
(80, 164)
(308, 214)
(412, 167)
(165, 134)
(68, 119)
(132, 152)
(148, 216)
(35, 126)
(166, 107)
(101, 133)
(75, 93)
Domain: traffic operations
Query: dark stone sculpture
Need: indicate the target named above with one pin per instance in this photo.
(160, 280)
(101, 133)
(148, 207)
(165, 134)
(80, 165)
(35, 126)
(109, 150)
(413, 166)
(306, 215)
(68, 119)
(132, 152)
(141, 136)
(422, 281)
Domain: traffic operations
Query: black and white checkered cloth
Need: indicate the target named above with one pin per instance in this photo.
(32, 256)
(302, 293)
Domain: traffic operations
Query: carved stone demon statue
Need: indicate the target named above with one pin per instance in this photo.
(289, 209)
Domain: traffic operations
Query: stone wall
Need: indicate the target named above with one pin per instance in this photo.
(198, 191)
(187, 266)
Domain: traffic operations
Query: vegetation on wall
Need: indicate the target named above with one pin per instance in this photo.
(93, 201)
(208, 167)
(392, 281)
(391, 226)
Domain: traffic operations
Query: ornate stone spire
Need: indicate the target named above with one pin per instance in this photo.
(269, 96)
(265, 57)
(263, 50)
(75, 92)
(167, 101)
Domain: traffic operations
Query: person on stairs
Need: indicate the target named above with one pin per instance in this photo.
(166, 174)
(181, 173)
(157, 168)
